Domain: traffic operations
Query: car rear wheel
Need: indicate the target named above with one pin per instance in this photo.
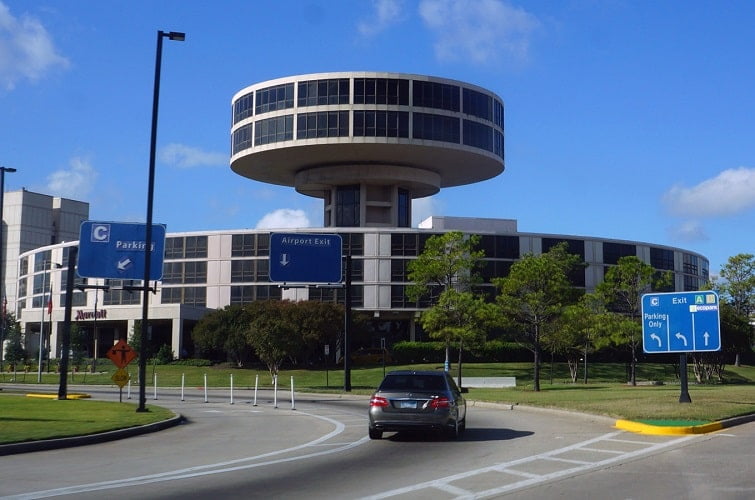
(375, 434)
(455, 431)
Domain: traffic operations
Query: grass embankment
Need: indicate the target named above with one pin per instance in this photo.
(606, 392)
(30, 419)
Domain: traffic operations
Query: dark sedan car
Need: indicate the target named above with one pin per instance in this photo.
(417, 400)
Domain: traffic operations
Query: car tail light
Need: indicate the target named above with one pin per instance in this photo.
(440, 402)
(378, 401)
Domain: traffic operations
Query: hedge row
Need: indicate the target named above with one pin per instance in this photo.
(494, 351)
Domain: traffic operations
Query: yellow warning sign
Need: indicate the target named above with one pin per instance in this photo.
(121, 377)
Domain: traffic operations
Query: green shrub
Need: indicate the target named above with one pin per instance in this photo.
(493, 351)
(192, 362)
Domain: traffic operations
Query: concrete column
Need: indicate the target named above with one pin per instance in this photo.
(177, 337)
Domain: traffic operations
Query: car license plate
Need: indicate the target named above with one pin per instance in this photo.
(407, 404)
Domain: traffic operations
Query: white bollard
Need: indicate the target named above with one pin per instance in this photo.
(155, 385)
(256, 383)
(275, 391)
(293, 406)
(183, 379)
(128, 391)
(205, 387)
(231, 388)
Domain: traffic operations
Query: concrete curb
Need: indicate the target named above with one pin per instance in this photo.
(641, 428)
(67, 442)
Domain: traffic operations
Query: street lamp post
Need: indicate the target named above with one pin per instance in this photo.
(180, 37)
(44, 306)
(3, 170)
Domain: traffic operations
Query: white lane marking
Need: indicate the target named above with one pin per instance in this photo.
(531, 478)
(203, 470)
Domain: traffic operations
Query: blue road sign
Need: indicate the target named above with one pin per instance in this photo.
(681, 322)
(305, 258)
(116, 250)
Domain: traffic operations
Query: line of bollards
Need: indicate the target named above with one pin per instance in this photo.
(206, 389)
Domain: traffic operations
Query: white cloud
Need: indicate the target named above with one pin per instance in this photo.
(478, 30)
(26, 49)
(183, 156)
(75, 183)
(387, 13)
(284, 218)
(730, 192)
(690, 231)
(422, 208)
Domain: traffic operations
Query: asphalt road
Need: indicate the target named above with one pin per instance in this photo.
(319, 449)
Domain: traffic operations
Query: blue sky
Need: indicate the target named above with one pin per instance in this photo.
(624, 119)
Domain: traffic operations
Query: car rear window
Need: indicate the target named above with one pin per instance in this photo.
(413, 383)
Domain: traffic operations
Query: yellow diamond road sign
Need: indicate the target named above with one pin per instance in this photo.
(121, 377)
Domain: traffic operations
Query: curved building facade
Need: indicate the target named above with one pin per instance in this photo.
(208, 270)
(367, 143)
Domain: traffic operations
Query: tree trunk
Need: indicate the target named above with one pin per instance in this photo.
(461, 348)
(633, 369)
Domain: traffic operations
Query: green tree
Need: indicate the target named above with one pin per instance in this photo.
(622, 289)
(458, 316)
(14, 346)
(221, 335)
(532, 298)
(449, 261)
(273, 332)
(580, 327)
(738, 288)
(319, 323)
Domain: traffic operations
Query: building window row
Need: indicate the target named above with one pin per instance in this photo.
(435, 127)
(435, 95)
(381, 91)
(389, 91)
(184, 272)
(242, 108)
(280, 128)
(122, 292)
(250, 245)
(274, 98)
(322, 124)
(662, 258)
(244, 294)
(323, 92)
(381, 124)
(249, 270)
(368, 123)
(186, 247)
(192, 296)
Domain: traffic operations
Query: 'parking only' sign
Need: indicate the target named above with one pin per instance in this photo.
(681, 322)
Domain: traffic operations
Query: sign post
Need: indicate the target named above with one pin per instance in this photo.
(681, 322)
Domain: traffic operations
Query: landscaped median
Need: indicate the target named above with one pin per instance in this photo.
(40, 421)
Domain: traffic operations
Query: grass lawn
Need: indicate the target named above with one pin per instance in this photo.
(28, 419)
(606, 393)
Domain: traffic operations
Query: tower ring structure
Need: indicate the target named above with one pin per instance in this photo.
(367, 143)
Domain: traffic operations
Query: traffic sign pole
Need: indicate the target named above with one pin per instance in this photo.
(684, 395)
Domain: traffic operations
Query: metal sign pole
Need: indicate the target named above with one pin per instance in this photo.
(684, 395)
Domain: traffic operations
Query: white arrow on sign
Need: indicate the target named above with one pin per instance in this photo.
(284, 259)
(682, 338)
(124, 264)
(706, 336)
(656, 338)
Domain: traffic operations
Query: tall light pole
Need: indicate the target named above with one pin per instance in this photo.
(2, 262)
(180, 37)
(44, 306)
